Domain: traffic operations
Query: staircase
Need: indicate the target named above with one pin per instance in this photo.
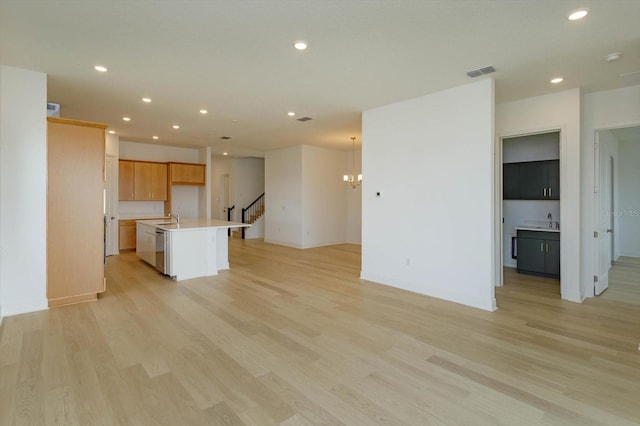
(250, 214)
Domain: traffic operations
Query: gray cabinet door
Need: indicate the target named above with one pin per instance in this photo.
(553, 179)
(531, 255)
(533, 180)
(511, 181)
(552, 258)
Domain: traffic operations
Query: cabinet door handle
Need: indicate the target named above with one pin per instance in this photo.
(545, 192)
(547, 247)
(542, 247)
(549, 192)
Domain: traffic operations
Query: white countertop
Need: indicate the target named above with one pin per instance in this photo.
(536, 228)
(187, 224)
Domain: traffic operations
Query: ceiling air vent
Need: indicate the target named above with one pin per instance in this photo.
(226, 138)
(631, 78)
(303, 119)
(481, 71)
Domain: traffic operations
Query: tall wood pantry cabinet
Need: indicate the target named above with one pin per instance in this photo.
(75, 210)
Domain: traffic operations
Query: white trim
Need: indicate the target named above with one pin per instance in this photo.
(463, 299)
(589, 245)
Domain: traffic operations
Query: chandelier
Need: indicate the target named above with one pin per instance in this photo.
(353, 179)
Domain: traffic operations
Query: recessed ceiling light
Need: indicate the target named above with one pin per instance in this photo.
(574, 15)
(126, 118)
(175, 126)
(112, 132)
(611, 57)
(225, 153)
(557, 80)
(291, 113)
(146, 100)
(100, 68)
(203, 111)
(155, 137)
(300, 45)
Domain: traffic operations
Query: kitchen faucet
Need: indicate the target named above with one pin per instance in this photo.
(550, 217)
(177, 216)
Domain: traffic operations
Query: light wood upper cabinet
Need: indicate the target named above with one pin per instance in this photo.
(142, 181)
(158, 182)
(187, 174)
(75, 215)
(126, 180)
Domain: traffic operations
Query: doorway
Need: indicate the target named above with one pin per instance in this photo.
(530, 208)
(617, 201)
(111, 206)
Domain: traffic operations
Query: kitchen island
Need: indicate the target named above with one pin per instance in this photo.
(190, 249)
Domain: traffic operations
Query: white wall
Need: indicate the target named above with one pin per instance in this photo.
(283, 203)
(23, 191)
(432, 228)
(559, 111)
(305, 198)
(600, 110)
(159, 153)
(354, 202)
(219, 167)
(247, 182)
(204, 193)
(539, 147)
(628, 211)
(324, 206)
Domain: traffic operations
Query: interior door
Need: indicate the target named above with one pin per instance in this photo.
(604, 205)
(111, 205)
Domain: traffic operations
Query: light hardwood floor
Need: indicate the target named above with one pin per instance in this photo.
(624, 281)
(293, 337)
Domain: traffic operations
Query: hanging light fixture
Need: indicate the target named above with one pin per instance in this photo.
(352, 179)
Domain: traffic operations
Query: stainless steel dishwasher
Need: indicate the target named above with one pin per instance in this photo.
(160, 250)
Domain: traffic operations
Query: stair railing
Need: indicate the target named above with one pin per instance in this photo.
(229, 210)
(253, 211)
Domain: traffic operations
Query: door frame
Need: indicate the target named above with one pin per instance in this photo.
(591, 269)
(598, 287)
(498, 208)
(111, 200)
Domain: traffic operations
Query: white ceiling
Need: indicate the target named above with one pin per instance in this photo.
(235, 58)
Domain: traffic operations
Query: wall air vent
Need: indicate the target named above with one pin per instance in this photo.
(303, 119)
(481, 71)
(53, 110)
(226, 138)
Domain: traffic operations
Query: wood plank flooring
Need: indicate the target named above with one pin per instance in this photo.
(624, 281)
(293, 337)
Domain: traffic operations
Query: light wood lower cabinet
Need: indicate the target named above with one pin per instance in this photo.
(75, 216)
(127, 235)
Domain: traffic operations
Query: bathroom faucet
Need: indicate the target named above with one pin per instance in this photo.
(550, 217)
(177, 216)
